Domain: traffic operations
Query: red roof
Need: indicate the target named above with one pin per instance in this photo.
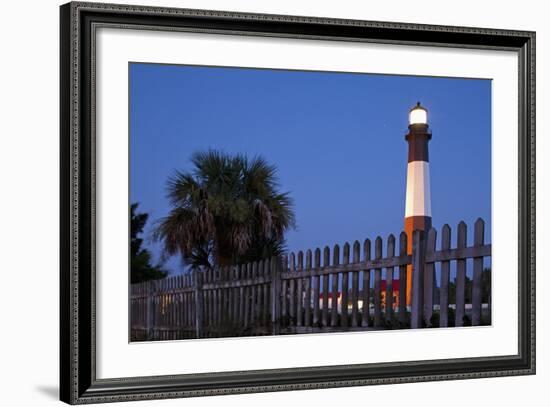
(394, 285)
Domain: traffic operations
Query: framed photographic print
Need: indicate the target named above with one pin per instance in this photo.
(256, 203)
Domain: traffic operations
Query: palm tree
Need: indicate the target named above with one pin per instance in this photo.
(228, 210)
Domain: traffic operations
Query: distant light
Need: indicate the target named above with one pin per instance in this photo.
(418, 115)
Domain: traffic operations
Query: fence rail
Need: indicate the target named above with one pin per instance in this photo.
(353, 287)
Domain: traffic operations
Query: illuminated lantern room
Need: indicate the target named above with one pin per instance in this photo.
(418, 115)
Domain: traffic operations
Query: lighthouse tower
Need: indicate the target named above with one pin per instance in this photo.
(418, 208)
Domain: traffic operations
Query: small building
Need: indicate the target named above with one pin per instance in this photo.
(383, 286)
(395, 292)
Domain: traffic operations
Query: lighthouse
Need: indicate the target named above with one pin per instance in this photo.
(418, 209)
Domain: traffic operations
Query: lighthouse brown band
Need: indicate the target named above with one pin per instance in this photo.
(418, 146)
(418, 138)
(418, 222)
(413, 223)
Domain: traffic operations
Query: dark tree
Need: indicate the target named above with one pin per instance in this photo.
(485, 288)
(228, 210)
(140, 259)
(486, 285)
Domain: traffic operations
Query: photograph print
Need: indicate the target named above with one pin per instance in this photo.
(277, 202)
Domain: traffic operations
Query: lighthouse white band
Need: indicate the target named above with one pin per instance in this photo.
(418, 200)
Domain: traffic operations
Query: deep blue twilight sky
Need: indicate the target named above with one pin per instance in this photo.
(336, 138)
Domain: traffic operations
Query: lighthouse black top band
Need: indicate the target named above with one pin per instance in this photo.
(418, 138)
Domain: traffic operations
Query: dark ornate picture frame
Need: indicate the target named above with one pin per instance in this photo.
(78, 381)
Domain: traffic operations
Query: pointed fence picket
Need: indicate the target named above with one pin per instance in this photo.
(324, 291)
